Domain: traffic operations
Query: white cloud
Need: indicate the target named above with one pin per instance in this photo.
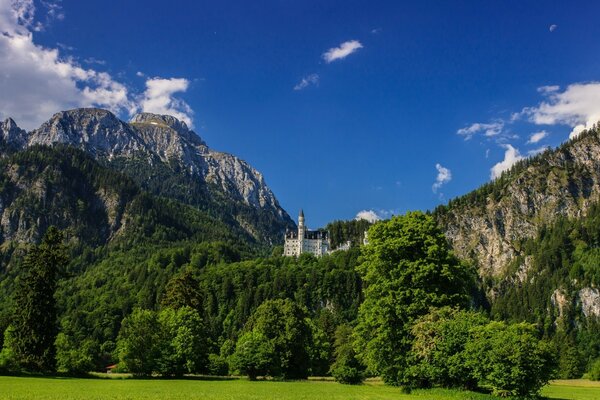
(489, 130)
(94, 60)
(312, 79)
(578, 106)
(553, 27)
(548, 89)
(511, 157)
(342, 51)
(158, 98)
(368, 215)
(37, 81)
(444, 176)
(537, 136)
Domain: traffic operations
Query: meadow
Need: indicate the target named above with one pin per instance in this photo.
(50, 388)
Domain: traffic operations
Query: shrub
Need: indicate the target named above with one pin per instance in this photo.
(346, 368)
(594, 373)
(217, 365)
(347, 375)
(509, 360)
(254, 355)
(437, 356)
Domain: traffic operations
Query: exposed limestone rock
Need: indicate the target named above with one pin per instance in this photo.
(589, 299)
(148, 135)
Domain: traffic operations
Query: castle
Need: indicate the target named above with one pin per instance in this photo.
(305, 241)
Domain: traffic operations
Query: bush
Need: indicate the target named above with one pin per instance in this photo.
(73, 357)
(347, 375)
(509, 360)
(594, 373)
(285, 325)
(138, 342)
(7, 355)
(437, 356)
(346, 368)
(254, 355)
(217, 365)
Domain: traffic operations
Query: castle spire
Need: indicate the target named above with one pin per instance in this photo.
(301, 218)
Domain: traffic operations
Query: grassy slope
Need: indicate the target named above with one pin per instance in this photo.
(68, 388)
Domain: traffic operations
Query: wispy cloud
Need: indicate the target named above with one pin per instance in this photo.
(511, 157)
(490, 129)
(312, 79)
(94, 60)
(444, 176)
(537, 136)
(537, 151)
(342, 51)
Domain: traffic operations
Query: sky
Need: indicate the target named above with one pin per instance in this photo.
(348, 108)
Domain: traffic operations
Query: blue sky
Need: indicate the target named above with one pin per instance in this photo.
(417, 102)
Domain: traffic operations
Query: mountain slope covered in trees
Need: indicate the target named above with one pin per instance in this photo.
(534, 235)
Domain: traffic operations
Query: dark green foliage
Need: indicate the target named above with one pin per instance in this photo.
(254, 355)
(437, 357)
(183, 290)
(35, 317)
(509, 360)
(407, 268)
(341, 232)
(571, 363)
(346, 368)
(284, 324)
(217, 365)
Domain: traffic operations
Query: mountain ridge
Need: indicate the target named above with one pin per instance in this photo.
(169, 148)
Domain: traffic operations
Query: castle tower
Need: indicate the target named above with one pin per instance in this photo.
(301, 230)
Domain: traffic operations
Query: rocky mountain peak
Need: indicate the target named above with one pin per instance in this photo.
(11, 133)
(157, 119)
(150, 137)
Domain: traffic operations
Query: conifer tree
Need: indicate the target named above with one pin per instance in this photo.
(35, 322)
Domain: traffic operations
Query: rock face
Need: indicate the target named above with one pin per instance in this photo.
(490, 227)
(589, 299)
(11, 133)
(157, 139)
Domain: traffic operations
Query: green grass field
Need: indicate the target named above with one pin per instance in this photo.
(72, 388)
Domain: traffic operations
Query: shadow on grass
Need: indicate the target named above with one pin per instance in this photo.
(103, 376)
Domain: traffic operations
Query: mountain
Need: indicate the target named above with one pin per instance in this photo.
(522, 231)
(164, 157)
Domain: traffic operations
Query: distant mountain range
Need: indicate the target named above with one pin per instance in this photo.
(158, 153)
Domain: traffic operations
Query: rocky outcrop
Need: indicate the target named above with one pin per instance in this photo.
(11, 133)
(589, 300)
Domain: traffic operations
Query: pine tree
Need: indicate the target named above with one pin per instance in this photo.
(35, 322)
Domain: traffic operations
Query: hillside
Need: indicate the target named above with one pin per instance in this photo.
(534, 235)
